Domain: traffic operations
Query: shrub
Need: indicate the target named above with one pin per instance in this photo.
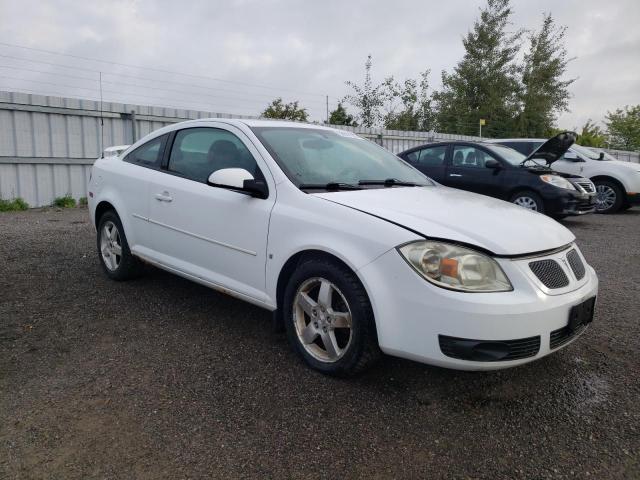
(64, 202)
(83, 202)
(14, 205)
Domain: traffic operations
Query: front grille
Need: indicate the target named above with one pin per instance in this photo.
(576, 264)
(586, 185)
(489, 350)
(563, 335)
(550, 273)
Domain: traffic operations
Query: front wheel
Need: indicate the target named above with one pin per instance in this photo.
(329, 319)
(529, 200)
(113, 249)
(608, 197)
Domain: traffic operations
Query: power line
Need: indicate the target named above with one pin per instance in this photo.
(162, 105)
(255, 102)
(50, 52)
(137, 77)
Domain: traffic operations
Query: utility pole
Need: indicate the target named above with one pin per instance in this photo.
(327, 109)
(101, 119)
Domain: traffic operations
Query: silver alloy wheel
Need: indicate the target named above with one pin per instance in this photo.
(526, 202)
(322, 319)
(110, 245)
(605, 197)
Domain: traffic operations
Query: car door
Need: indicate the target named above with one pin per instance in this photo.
(430, 161)
(207, 232)
(467, 170)
(571, 162)
(131, 179)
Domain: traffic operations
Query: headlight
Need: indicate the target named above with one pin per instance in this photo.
(557, 181)
(457, 268)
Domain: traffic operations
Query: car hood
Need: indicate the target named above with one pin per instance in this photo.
(554, 148)
(631, 166)
(446, 213)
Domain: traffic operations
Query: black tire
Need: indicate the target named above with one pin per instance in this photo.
(532, 196)
(625, 206)
(362, 350)
(618, 200)
(128, 266)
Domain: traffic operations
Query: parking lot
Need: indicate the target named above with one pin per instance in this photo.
(163, 378)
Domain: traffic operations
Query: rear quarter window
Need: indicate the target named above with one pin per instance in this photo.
(148, 154)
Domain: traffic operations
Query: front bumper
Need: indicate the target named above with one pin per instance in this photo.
(633, 198)
(571, 203)
(412, 315)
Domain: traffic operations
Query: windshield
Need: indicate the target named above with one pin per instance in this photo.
(585, 152)
(607, 157)
(512, 156)
(311, 156)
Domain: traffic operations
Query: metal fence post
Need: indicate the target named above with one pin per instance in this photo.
(134, 135)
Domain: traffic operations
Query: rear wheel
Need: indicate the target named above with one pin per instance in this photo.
(329, 319)
(529, 200)
(608, 197)
(113, 250)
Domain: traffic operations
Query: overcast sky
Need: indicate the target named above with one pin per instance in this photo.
(300, 50)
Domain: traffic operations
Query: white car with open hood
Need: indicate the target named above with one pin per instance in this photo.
(354, 250)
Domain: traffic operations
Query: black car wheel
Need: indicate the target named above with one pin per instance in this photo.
(113, 249)
(329, 319)
(529, 200)
(609, 197)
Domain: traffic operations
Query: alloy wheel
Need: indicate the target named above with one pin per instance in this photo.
(322, 319)
(605, 197)
(110, 246)
(526, 202)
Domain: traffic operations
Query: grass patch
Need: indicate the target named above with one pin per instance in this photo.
(64, 202)
(15, 205)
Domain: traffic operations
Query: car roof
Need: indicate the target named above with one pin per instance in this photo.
(444, 142)
(259, 122)
(498, 140)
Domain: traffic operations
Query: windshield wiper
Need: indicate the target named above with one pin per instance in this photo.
(331, 186)
(389, 182)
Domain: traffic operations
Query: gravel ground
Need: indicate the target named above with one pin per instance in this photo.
(163, 378)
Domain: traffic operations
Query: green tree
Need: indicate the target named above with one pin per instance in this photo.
(544, 93)
(285, 111)
(416, 111)
(407, 117)
(592, 135)
(340, 117)
(623, 128)
(485, 83)
(368, 99)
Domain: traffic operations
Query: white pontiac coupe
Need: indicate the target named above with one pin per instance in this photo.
(354, 250)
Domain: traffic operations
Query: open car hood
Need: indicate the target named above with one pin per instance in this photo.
(554, 148)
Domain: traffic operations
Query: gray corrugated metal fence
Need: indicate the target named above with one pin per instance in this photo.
(48, 144)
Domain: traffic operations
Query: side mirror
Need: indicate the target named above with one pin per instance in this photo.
(238, 179)
(492, 163)
(571, 156)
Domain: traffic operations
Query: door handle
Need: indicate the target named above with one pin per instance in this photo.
(164, 197)
(455, 175)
